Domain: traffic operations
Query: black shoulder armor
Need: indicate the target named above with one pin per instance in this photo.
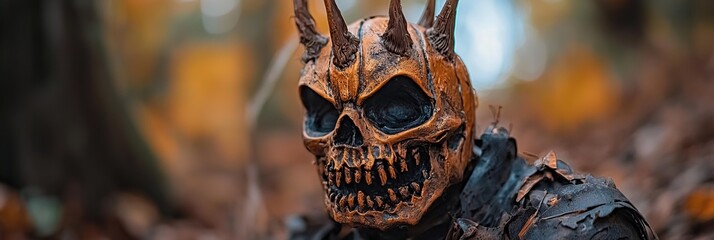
(506, 198)
(575, 207)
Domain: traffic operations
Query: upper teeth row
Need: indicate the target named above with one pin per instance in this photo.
(349, 175)
(364, 157)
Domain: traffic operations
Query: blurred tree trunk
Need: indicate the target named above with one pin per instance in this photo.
(63, 128)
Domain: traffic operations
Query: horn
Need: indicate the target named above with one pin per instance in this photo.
(309, 37)
(427, 17)
(396, 38)
(344, 44)
(441, 35)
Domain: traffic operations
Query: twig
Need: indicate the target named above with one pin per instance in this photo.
(270, 79)
(254, 201)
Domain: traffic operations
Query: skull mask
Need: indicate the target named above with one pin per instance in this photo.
(389, 112)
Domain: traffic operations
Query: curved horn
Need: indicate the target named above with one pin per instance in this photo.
(427, 17)
(441, 35)
(344, 44)
(309, 37)
(396, 37)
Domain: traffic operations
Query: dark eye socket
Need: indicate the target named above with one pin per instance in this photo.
(398, 106)
(321, 114)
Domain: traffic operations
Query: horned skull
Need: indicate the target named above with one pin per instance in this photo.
(389, 112)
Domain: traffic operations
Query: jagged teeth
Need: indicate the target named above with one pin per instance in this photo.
(416, 187)
(348, 176)
(350, 194)
(358, 176)
(379, 201)
(338, 180)
(357, 157)
(404, 191)
(392, 195)
(402, 152)
(341, 159)
(331, 178)
(360, 199)
(351, 200)
(417, 156)
(387, 151)
(342, 201)
(392, 172)
(382, 174)
(403, 165)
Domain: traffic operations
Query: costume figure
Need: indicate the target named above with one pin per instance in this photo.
(390, 116)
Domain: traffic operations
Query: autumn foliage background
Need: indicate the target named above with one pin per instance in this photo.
(180, 119)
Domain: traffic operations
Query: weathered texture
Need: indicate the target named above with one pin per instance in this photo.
(392, 131)
(442, 34)
(380, 118)
(309, 37)
(396, 38)
(344, 44)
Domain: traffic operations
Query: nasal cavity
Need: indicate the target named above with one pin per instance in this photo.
(348, 134)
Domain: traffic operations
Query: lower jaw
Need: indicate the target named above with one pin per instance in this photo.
(403, 186)
(405, 215)
(431, 221)
(423, 214)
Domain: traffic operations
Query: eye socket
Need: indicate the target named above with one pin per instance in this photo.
(321, 114)
(398, 106)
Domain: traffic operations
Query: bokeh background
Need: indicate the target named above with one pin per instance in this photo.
(180, 119)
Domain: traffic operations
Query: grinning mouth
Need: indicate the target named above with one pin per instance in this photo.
(380, 188)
